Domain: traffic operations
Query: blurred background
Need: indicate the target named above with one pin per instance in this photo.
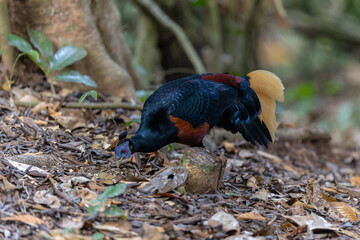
(313, 46)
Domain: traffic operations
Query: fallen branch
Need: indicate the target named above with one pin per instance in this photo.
(87, 105)
(179, 33)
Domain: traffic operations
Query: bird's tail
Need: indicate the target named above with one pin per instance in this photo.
(268, 87)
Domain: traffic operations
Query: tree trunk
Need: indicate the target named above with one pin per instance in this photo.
(8, 51)
(83, 23)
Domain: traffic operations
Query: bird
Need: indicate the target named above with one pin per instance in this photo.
(184, 110)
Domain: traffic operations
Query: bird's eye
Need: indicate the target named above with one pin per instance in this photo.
(123, 151)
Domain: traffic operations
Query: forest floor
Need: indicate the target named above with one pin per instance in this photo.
(59, 179)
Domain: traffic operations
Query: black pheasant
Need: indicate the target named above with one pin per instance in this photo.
(184, 110)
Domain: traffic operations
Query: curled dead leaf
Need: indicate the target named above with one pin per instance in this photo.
(167, 180)
(253, 215)
(226, 220)
(27, 219)
(355, 181)
(43, 197)
(344, 210)
(252, 183)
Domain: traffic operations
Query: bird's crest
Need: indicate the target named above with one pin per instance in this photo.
(268, 87)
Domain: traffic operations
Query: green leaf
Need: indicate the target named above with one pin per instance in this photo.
(171, 147)
(93, 94)
(98, 236)
(0, 51)
(18, 42)
(35, 57)
(42, 43)
(75, 76)
(66, 56)
(113, 191)
(128, 123)
(96, 205)
(144, 94)
(114, 211)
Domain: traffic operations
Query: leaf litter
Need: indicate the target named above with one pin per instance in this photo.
(55, 163)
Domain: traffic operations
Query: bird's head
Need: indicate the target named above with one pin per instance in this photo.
(123, 148)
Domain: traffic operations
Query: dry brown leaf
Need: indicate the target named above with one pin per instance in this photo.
(349, 233)
(152, 232)
(73, 223)
(262, 194)
(253, 215)
(252, 183)
(6, 185)
(43, 197)
(314, 222)
(228, 221)
(299, 203)
(344, 210)
(355, 181)
(70, 122)
(93, 186)
(229, 146)
(86, 196)
(328, 189)
(28, 219)
(6, 86)
(121, 226)
(328, 198)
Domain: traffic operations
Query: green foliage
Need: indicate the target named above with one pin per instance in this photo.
(93, 94)
(110, 192)
(66, 56)
(98, 236)
(171, 147)
(0, 51)
(144, 94)
(197, 3)
(48, 62)
(75, 76)
(128, 123)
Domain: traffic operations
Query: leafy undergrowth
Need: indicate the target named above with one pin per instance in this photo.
(56, 170)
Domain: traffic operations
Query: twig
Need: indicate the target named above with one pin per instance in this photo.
(179, 33)
(87, 105)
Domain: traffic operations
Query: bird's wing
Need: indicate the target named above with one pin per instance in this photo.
(199, 101)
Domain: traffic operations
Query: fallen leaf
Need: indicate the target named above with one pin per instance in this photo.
(6, 185)
(86, 196)
(314, 222)
(70, 122)
(344, 210)
(253, 215)
(229, 146)
(73, 223)
(43, 197)
(252, 183)
(152, 232)
(27, 219)
(226, 220)
(121, 226)
(355, 181)
(262, 194)
(167, 180)
(36, 171)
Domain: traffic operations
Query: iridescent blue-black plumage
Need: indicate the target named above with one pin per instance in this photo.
(185, 109)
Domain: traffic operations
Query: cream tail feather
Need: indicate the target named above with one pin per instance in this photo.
(268, 87)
